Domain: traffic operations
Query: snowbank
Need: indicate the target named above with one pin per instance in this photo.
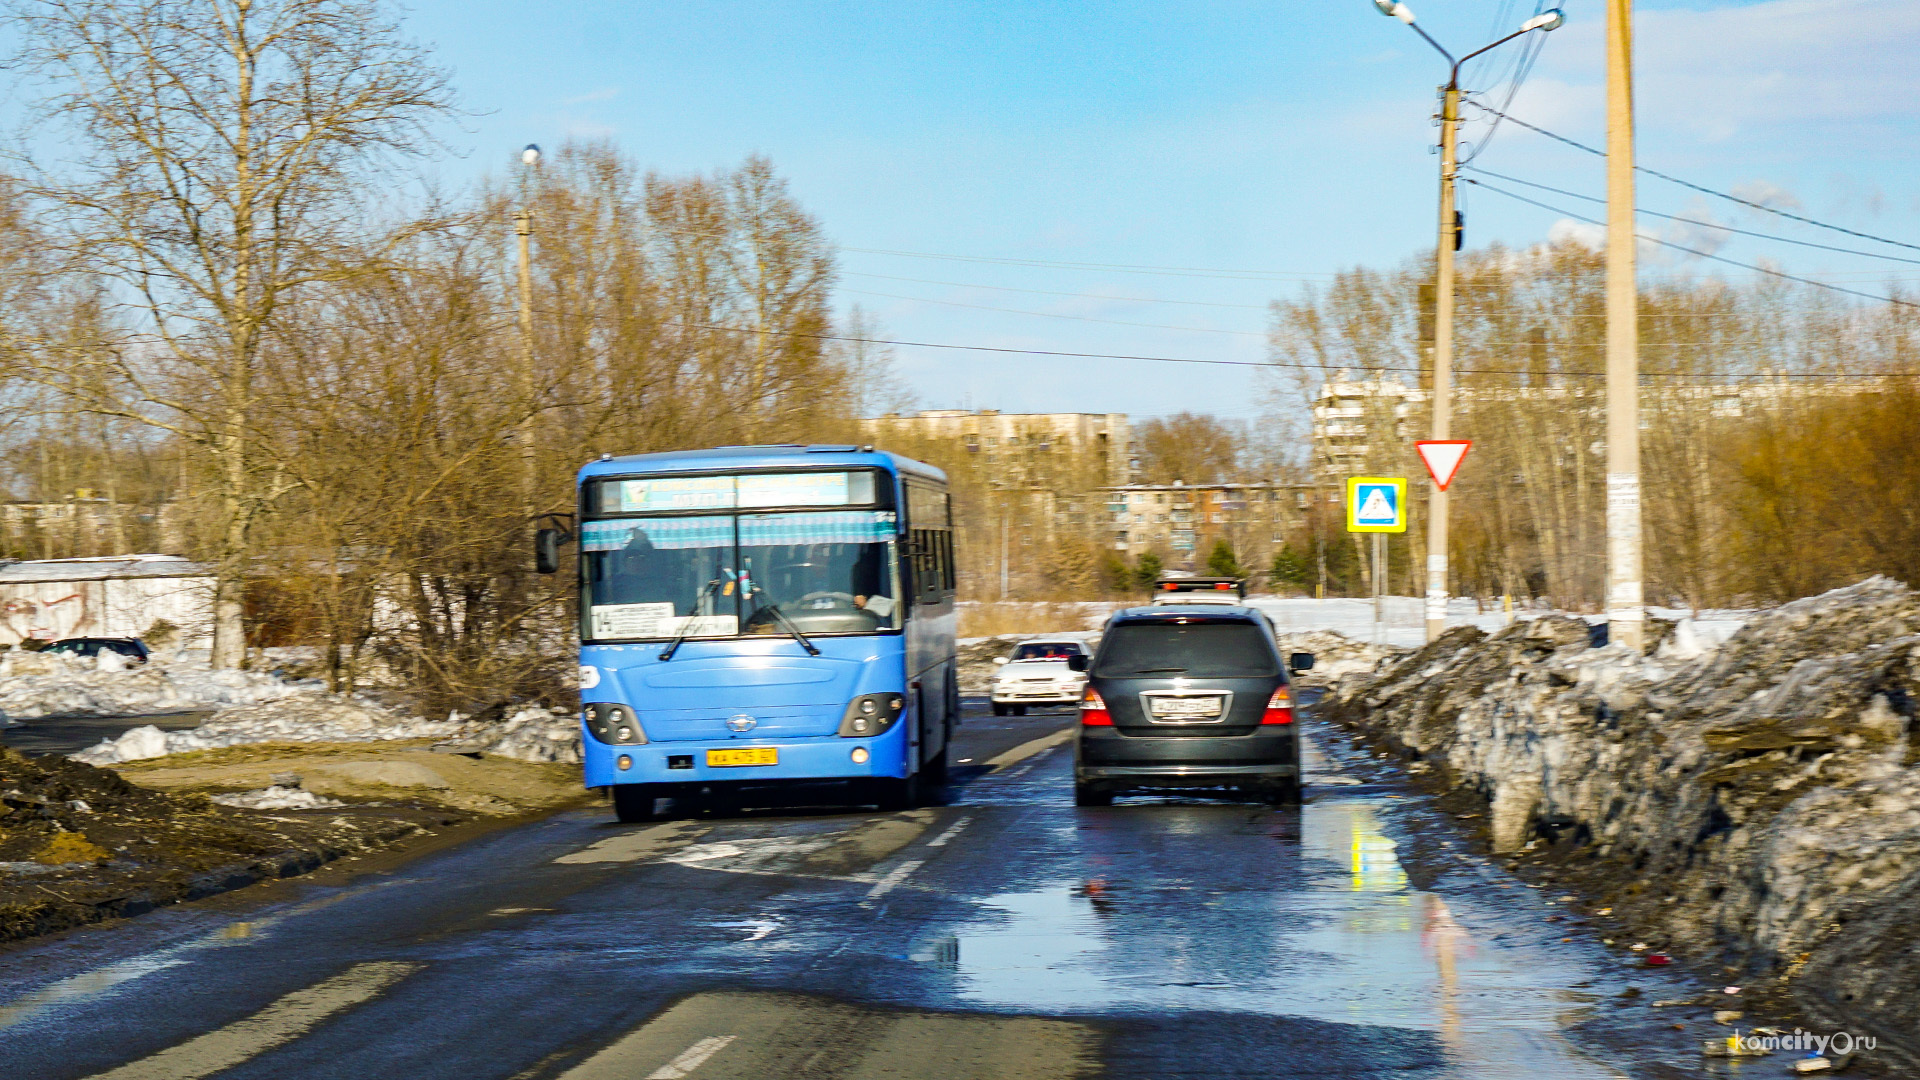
(1752, 796)
(531, 734)
(56, 684)
(278, 797)
(314, 718)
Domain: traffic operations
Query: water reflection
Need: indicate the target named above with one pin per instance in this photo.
(1329, 929)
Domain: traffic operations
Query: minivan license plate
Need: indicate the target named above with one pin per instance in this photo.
(746, 755)
(1184, 708)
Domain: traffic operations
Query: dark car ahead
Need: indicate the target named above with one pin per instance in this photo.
(1187, 697)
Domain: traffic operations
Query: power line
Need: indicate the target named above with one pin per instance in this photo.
(1397, 368)
(1057, 292)
(1696, 251)
(1696, 187)
(1056, 315)
(1118, 268)
(1696, 221)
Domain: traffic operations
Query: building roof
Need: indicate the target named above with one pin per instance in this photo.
(106, 568)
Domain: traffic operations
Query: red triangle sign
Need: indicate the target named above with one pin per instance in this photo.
(1443, 458)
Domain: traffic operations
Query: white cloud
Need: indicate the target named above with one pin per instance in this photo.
(605, 93)
(1585, 233)
(1767, 194)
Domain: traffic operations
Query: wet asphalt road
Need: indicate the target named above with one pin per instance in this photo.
(72, 734)
(1005, 934)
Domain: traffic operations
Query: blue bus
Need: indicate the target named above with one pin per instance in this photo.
(754, 615)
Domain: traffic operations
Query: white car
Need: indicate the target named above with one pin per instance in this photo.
(1036, 673)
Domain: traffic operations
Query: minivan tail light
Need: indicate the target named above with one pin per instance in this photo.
(1093, 711)
(1279, 708)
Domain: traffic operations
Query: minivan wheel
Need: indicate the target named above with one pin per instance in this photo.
(1019, 710)
(999, 709)
(1088, 795)
(633, 802)
(1281, 793)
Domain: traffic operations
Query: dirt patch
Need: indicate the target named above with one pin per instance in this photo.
(79, 844)
(408, 773)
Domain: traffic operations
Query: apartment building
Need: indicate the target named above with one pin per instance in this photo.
(1058, 451)
(1182, 522)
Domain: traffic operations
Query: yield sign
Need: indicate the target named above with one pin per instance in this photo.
(1443, 457)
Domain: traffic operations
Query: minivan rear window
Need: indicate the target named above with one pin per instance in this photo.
(1197, 650)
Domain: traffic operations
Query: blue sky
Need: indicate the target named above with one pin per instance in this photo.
(1283, 139)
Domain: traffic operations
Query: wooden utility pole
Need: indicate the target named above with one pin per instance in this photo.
(1626, 617)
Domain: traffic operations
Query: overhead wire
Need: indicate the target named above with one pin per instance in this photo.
(1397, 368)
(1058, 315)
(1695, 251)
(1699, 187)
(1057, 292)
(1696, 221)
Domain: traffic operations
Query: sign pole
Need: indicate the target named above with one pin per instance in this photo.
(1379, 587)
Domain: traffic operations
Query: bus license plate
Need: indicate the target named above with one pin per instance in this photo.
(746, 755)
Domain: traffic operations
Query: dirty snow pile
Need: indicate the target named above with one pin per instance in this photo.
(529, 735)
(1755, 799)
(57, 684)
(278, 797)
(1336, 656)
(303, 719)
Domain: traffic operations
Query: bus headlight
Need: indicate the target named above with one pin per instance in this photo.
(614, 723)
(871, 714)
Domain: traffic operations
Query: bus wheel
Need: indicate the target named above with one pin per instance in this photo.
(898, 794)
(934, 772)
(999, 709)
(1088, 795)
(633, 802)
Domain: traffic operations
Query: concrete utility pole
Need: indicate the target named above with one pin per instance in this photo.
(1626, 617)
(1441, 407)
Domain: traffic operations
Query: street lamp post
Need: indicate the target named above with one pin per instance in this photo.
(1449, 242)
(529, 386)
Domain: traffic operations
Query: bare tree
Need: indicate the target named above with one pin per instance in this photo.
(223, 151)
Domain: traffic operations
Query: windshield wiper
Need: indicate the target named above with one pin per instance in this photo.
(686, 625)
(781, 616)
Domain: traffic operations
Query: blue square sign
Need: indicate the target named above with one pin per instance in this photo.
(1377, 504)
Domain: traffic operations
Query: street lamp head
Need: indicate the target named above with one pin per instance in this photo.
(531, 155)
(1546, 20)
(1402, 12)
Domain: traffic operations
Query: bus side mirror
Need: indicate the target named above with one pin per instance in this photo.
(546, 550)
(1077, 662)
(1301, 661)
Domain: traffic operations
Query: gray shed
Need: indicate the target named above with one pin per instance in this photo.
(111, 596)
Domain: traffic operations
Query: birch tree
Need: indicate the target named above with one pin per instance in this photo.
(218, 157)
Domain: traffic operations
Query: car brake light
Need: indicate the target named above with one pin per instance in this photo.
(1279, 708)
(1093, 711)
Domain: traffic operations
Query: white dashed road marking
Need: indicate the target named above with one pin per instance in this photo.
(894, 877)
(952, 831)
(283, 1021)
(694, 1057)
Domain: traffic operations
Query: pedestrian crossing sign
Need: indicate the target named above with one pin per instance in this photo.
(1377, 504)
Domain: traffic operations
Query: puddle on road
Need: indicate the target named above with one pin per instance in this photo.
(1350, 941)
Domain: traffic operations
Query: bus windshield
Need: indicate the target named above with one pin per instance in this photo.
(724, 575)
